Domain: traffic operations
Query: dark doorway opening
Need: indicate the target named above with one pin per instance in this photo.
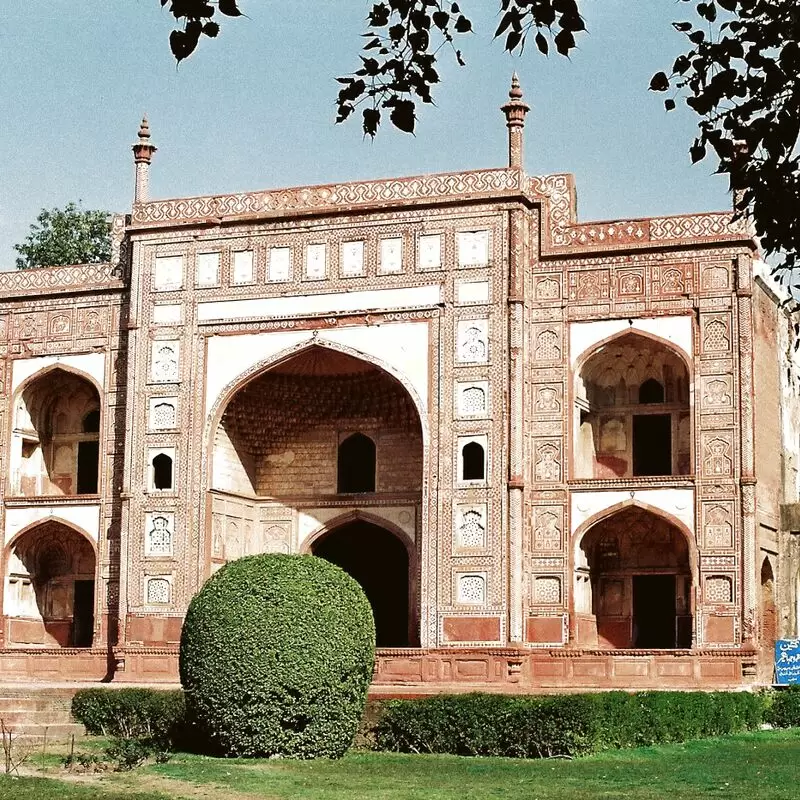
(378, 560)
(91, 422)
(651, 391)
(473, 467)
(162, 472)
(654, 615)
(652, 444)
(88, 460)
(83, 614)
(356, 465)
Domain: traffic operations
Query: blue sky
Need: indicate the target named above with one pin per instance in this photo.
(254, 109)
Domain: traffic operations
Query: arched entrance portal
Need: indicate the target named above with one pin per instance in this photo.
(633, 582)
(49, 597)
(378, 560)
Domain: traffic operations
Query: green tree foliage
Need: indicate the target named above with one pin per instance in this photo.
(69, 235)
(276, 657)
(740, 75)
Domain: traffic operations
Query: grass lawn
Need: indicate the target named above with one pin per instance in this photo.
(748, 766)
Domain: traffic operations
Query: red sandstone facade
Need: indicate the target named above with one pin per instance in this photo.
(553, 453)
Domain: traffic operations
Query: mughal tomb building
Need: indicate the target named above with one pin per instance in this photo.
(555, 454)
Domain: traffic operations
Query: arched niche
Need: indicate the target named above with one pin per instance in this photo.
(356, 464)
(55, 437)
(50, 587)
(768, 620)
(633, 582)
(632, 410)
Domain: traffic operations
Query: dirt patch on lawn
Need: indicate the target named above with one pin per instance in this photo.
(129, 782)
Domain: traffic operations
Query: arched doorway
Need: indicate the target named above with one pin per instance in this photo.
(55, 445)
(633, 582)
(379, 561)
(769, 621)
(632, 415)
(50, 582)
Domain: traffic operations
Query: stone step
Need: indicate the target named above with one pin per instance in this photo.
(29, 710)
(62, 730)
(37, 703)
(44, 716)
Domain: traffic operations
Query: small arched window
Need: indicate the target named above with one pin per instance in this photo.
(162, 472)
(651, 391)
(473, 462)
(356, 465)
(91, 422)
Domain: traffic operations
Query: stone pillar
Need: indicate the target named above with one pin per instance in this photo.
(744, 304)
(515, 110)
(516, 422)
(142, 156)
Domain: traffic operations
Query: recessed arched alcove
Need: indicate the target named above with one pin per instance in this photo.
(633, 582)
(632, 414)
(320, 429)
(379, 561)
(281, 432)
(356, 465)
(55, 440)
(50, 583)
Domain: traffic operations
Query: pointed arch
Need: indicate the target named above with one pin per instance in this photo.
(55, 432)
(59, 520)
(611, 511)
(68, 368)
(50, 573)
(592, 349)
(635, 576)
(632, 408)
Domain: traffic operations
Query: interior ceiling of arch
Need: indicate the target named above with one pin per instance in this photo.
(637, 537)
(58, 391)
(316, 387)
(322, 361)
(632, 360)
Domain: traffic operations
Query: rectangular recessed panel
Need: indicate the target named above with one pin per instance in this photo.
(304, 305)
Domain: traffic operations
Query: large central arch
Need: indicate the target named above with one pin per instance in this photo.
(314, 436)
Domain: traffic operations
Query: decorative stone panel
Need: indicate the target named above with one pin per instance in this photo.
(471, 588)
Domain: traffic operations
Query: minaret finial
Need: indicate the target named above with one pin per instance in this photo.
(515, 110)
(142, 156)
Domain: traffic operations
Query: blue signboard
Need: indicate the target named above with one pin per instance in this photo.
(787, 661)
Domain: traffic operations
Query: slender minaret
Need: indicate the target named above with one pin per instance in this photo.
(142, 156)
(515, 110)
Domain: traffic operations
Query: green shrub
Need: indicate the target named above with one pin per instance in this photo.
(127, 754)
(784, 708)
(489, 725)
(129, 713)
(276, 657)
(562, 725)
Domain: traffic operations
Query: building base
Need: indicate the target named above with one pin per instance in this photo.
(417, 671)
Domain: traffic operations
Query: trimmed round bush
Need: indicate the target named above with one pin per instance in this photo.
(276, 658)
